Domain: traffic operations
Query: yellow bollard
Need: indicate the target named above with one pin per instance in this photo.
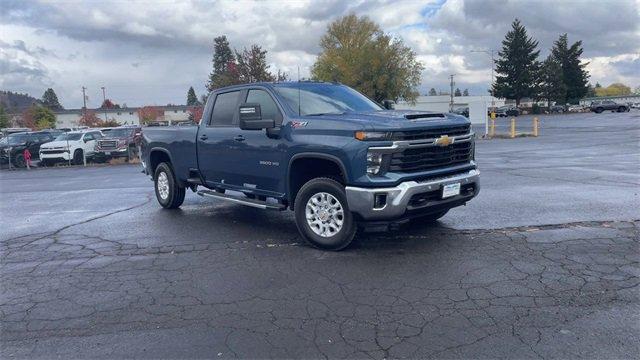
(492, 133)
(536, 123)
(513, 127)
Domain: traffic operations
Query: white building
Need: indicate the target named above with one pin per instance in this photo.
(477, 105)
(124, 116)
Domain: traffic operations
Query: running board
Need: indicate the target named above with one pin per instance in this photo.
(248, 202)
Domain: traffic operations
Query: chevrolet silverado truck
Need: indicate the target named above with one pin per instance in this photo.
(119, 142)
(333, 156)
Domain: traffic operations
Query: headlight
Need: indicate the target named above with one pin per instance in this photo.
(372, 135)
(374, 162)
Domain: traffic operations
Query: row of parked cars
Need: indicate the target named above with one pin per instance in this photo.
(54, 145)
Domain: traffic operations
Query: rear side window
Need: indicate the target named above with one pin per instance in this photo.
(268, 107)
(224, 109)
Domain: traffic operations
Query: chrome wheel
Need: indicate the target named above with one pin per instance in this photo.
(163, 185)
(325, 214)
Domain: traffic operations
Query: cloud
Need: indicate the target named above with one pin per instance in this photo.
(146, 53)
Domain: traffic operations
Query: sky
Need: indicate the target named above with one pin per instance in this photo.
(150, 52)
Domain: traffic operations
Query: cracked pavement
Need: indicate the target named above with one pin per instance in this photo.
(544, 264)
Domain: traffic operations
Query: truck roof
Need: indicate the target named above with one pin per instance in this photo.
(271, 83)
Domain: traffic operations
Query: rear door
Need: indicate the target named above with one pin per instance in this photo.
(215, 139)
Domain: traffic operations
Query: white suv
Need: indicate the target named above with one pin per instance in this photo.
(74, 146)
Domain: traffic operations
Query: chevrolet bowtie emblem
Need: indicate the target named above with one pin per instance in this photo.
(444, 140)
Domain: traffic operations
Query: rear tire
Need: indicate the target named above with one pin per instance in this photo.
(622, 109)
(19, 161)
(599, 110)
(168, 193)
(322, 214)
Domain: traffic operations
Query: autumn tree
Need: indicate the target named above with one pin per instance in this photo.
(517, 69)
(50, 100)
(195, 113)
(89, 118)
(192, 99)
(614, 89)
(38, 117)
(108, 104)
(149, 114)
(356, 52)
(574, 74)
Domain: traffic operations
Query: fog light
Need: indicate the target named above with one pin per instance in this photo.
(379, 201)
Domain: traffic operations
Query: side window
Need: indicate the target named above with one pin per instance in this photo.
(224, 109)
(97, 135)
(268, 107)
(88, 137)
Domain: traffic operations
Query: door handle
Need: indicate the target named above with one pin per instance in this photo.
(203, 137)
(239, 138)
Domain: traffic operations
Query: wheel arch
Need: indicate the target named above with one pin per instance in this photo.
(324, 165)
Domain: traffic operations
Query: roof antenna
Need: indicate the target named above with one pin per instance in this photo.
(298, 90)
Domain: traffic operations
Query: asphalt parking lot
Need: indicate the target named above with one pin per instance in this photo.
(544, 263)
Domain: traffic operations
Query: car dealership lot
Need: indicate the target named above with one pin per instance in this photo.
(544, 263)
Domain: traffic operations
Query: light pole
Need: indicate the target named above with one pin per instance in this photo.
(451, 93)
(490, 52)
(104, 100)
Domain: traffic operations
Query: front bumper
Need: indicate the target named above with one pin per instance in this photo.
(64, 155)
(112, 153)
(411, 196)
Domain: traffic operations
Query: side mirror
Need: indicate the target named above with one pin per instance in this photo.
(251, 118)
(389, 104)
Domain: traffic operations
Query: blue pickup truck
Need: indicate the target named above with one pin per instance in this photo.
(325, 151)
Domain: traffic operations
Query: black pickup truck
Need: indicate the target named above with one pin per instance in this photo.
(325, 151)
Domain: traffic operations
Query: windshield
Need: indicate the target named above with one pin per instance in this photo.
(119, 133)
(69, 137)
(15, 139)
(317, 99)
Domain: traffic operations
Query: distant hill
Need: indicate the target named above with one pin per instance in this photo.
(16, 102)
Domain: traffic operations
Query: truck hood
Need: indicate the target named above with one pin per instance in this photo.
(399, 119)
(57, 144)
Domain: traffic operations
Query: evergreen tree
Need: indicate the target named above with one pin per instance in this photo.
(517, 68)
(432, 92)
(252, 65)
(457, 92)
(224, 68)
(4, 119)
(574, 75)
(192, 99)
(50, 100)
(465, 92)
(591, 91)
(552, 87)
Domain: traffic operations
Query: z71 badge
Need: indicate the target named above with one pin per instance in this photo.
(298, 124)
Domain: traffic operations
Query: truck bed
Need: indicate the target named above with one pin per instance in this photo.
(178, 141)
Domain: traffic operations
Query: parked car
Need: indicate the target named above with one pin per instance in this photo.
(602, 105)
(464, 111)
(323, 150)
(119, 142)
(576, 108)
(558, 109)
(70, 146)
(635, 105)
(12, 146)
(505, 111)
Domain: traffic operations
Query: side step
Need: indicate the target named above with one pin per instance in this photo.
(238, 200)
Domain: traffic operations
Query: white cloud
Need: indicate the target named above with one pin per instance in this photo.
(148, 53)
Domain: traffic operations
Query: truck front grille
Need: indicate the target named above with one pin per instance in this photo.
(53, 151)
(431, 157)
(431, 133)
(108, 144)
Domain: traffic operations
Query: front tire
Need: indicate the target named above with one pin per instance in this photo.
(599, 110)
(78, 157)
(19, 161)
(168, 193)
(322, 214)
(622, 109)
